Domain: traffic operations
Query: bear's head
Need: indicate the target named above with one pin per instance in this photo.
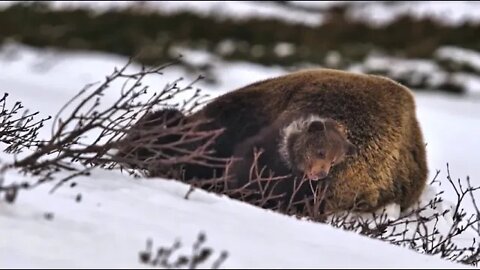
(314, 145)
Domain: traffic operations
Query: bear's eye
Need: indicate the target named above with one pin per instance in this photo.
(321, 154)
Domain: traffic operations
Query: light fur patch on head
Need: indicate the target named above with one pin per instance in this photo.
(295, 127)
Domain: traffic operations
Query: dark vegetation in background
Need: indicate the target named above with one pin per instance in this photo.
(151, 37)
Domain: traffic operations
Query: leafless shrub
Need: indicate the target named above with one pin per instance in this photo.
(425, 228)
(18, 129)
(285, 193)
(90, 130)
(165, 256)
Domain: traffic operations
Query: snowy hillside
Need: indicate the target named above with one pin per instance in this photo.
(115, 215)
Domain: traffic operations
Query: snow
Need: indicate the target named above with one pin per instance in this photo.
(413, 69)
(116, 216)
(427, 71)
(117, 213)
(451, 126)
(446, 12)
(460, 55)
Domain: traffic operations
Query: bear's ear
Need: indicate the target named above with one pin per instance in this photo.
(316, 126)
(351, 150)
(332, 124)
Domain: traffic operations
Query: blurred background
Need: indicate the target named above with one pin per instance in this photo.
(425, 45)
(431, 47)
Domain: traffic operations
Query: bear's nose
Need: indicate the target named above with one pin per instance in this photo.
(322, 174)
(317, 176)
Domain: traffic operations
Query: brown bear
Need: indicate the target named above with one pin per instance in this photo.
(286, 160)
(377, 114)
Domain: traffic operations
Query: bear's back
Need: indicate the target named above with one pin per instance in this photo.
(274, 95)
(368, 104)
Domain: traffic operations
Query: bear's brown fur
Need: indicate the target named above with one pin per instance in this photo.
(378, 113)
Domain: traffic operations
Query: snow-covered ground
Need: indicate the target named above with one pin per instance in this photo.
(116, 215)
(428, 72)
(446, 12)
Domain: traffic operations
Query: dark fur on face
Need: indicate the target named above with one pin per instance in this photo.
(314, 145)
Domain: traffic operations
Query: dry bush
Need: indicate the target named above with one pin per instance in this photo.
(89, 130)
(18, 132)
(165, 257)
(92, 132)
(18, 129)
(428, 228)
